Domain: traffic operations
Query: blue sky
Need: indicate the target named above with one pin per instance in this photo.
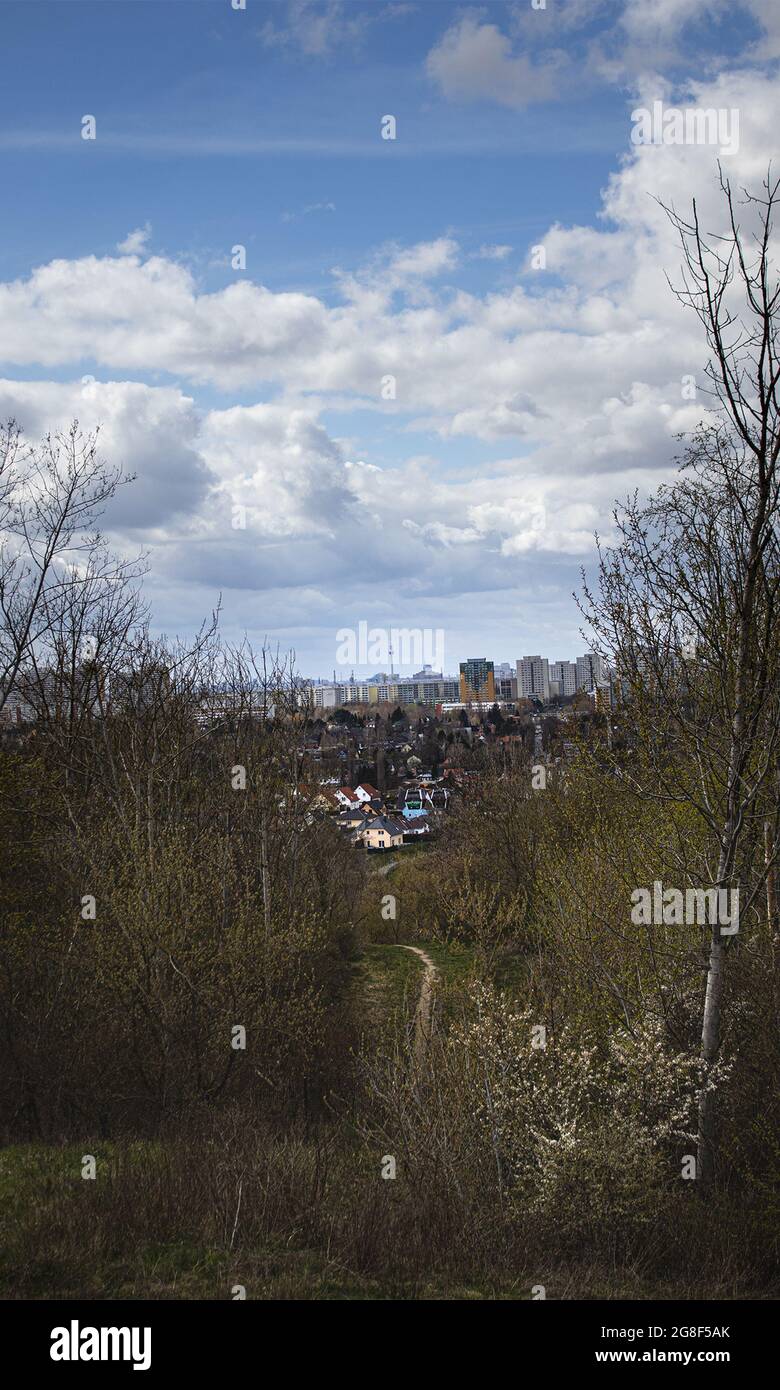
(289, 131)
(525, 399)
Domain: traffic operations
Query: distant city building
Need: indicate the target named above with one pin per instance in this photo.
(16, 709)
(564, 674)
(533, 677)
(430, 690)
(591, 671)
(477, 680)
(327, 696)
(601, 695)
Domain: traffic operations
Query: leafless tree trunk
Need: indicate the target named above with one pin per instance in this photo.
(772, 910)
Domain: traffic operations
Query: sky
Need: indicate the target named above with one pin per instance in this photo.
(398, 381)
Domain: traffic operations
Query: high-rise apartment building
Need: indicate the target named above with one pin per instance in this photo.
(591, 671)
(477, 680)
(564, 673)
(533, 677)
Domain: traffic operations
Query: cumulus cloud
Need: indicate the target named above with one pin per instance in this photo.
(150, 432)
(280, 463)
(426, 259)
(666, 35)
(613, 42)
(474, 61)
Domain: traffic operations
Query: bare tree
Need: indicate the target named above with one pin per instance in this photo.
(50, 497)
(688, 599)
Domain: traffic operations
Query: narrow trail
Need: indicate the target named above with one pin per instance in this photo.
(423, 1013)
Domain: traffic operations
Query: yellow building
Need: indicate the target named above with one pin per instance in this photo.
(382, 833)
(477, 681)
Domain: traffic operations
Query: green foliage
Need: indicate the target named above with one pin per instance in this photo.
(218, 907)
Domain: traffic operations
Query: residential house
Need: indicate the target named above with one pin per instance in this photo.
(347, 798)
(440, 797)
(354, 819)
(460, 777)
(413, 801)
(318, 798)
(365, 792)
(417, 827)
(381, 833)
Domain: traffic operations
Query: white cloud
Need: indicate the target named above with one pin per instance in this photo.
(134, 243)
(151, 432)
(281, 463)
(611, 41)
(665, 36)
(312, 27)
(307, 211)
(474, 61)
(425, 259)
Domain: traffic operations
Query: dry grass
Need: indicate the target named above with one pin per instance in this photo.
(292, 1218)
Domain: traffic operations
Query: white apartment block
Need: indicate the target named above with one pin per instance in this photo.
(564, 674)
(327, 696)
(591, 671)
(533, 677)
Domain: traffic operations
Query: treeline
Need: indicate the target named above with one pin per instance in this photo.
(175, 930)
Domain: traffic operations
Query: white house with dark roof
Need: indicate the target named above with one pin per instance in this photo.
(418, 825)
(381, 833)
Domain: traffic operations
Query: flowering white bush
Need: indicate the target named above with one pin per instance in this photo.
(578, 1130)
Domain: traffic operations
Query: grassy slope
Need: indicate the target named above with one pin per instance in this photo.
(54, 1248)
(55, 1241)
(53, 1237)
(64, 1237)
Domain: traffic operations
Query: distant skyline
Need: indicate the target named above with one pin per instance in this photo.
(348, 388)
(341, 675)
